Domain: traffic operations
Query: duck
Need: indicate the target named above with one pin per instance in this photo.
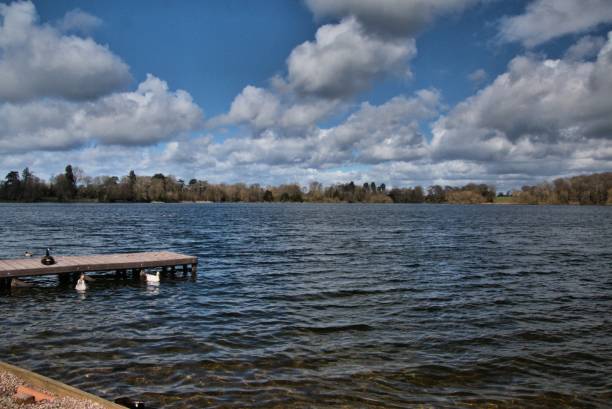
(81, 284)
(27, 254)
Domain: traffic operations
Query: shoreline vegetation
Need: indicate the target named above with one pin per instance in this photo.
(74, 186)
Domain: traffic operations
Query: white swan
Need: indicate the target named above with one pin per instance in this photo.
(152, 278)
(81, 284)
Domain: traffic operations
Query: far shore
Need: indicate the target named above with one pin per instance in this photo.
(73, 187)
(497, 203)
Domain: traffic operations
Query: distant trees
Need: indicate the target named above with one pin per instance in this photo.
(407, 195)
(289, 193)
(65, 185)
(31, 188)
(26, 187)
(351, 193)
(268, 196)
(436, 194)
(595, 189)
(12, 186)
(470, 194)
(74, 185)
(130, 183)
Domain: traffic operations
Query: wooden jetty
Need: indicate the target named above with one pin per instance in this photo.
(67, 266)
(56, 388)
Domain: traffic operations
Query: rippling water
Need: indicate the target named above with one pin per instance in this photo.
(325, 305)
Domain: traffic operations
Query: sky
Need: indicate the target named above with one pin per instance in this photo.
(401, 92)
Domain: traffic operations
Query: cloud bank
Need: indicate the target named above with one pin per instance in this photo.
(541, 112)
(541, 118)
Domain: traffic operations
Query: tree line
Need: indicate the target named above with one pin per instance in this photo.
(594, 189)
(74, 185)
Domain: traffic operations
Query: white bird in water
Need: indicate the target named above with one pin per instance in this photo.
(27, 254)
(81, 284)
(150, 278)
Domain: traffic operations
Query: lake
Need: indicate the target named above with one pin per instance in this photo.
(324, 305)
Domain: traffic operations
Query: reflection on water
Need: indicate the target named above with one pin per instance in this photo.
(324, 305)
(153, 288)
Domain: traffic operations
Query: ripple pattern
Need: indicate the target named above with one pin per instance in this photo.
(307, 305)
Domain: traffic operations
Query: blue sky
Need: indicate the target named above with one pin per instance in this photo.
(402, 92)
(204, 47)
(198, 46)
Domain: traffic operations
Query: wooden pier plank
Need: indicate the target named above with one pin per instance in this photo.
(91, 263)
(12, 265)
(22, 263)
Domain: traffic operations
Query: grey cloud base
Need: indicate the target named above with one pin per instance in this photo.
(399, 18)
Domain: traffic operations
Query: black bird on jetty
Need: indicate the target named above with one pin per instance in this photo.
(47, 259)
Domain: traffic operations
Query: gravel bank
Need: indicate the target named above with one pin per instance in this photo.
(9, 384)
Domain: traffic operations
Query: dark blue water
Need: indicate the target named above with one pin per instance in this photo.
(325, 305)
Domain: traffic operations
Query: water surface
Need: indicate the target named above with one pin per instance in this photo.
(325, 305)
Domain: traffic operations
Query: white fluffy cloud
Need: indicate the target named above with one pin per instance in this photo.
(344, 59)
(255, 106)
(372, 134)
(544, 20)
(394, 17)
(306, 112)
(322, 76)
(542, 115)
(78, 20)
(263, 109)
(587, 47)
(39, 61)
(148, 115)
(478, 76)
(387, 132)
